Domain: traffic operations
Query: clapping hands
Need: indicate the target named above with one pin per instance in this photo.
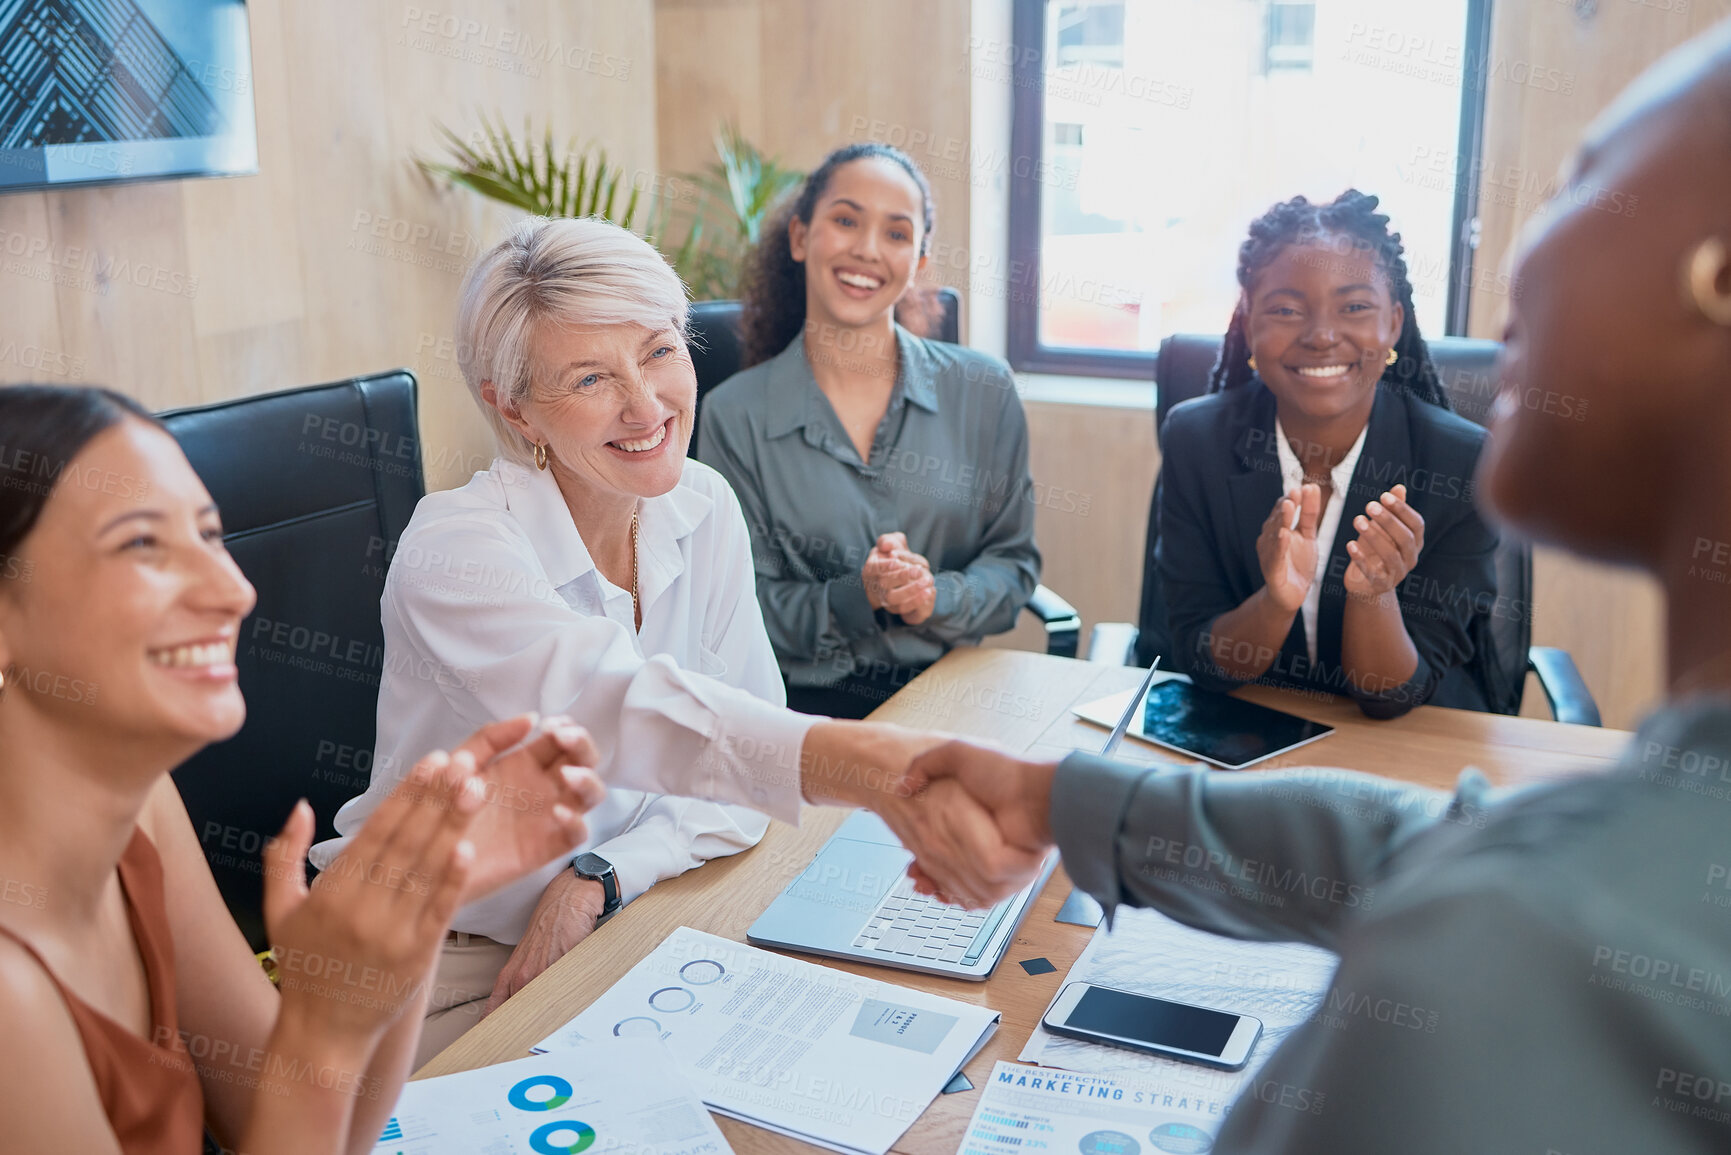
(1286, 547)
(899, 580)
(1390, 538)
(354, 948)
(536, 788)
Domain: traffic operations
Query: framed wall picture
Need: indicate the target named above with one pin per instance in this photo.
(100, 91)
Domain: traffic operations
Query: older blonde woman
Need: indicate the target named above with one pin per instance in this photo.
(593, 571)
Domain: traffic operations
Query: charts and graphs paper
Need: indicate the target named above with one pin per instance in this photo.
(1037, 1109)
(618, 1097)
(836, 1059)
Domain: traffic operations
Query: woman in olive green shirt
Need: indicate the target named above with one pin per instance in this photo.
(884, 477)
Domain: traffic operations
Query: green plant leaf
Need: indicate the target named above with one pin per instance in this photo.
(735, 192)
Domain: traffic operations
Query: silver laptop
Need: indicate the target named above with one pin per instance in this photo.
(855, 901)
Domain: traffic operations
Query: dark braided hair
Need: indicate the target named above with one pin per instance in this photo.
(1352, 216)
(772, 287)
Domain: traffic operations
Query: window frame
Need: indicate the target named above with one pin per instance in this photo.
(1028, 354)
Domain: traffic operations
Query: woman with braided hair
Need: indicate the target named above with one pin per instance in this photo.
(1316, 521)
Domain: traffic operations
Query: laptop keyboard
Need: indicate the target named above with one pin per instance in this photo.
(915, 927)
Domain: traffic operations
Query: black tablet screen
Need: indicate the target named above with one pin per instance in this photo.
(1220, 729)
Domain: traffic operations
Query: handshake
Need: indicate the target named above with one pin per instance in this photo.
(977, 819)
(512, 798)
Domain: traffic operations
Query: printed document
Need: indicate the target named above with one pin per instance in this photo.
(1025, 1109)
(618, 1097)
(828, 1057)
(1145, 952)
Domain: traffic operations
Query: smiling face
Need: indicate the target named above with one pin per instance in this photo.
(862, 248)
(1613, 410)
(123, 618)
(1321, 322)
(613, 404)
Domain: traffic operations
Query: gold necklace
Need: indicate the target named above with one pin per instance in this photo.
(636, 608)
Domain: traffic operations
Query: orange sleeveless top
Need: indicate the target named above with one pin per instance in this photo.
(150, 1091)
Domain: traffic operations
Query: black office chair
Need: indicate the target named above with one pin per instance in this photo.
(315, 486)
(718, 345)
(1466, 367)
(716, 351)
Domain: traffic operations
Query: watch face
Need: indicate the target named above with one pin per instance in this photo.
(592, 865)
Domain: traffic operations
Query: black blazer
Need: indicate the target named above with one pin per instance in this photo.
(1221, 477)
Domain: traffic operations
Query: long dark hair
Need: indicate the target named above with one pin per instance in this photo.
(42, 428)
(773, 285)
(1351, 215)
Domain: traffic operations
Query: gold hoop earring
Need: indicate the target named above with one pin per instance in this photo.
(1253, 364)
(541, 457)
(1391, 358)
(1701, 275)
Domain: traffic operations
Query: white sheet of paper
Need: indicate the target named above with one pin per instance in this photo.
(614, 1097)
(828, 1057)
(1280, 983)
(1033, 1108)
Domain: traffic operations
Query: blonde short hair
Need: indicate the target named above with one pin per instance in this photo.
(564, 271)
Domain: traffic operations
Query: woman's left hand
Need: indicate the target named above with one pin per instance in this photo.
(535, 791)
(1390, 538)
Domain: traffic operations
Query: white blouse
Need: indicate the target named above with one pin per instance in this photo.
(493, 606)
(1327, 526)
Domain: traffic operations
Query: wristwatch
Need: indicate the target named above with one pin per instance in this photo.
(598, 869)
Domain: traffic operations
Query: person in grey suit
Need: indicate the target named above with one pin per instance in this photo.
(1569, 943)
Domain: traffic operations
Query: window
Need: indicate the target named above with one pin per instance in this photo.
(1090, 34)
(1291, 36)
(1151, 132)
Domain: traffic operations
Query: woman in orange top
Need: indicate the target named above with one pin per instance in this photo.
(132, 1023)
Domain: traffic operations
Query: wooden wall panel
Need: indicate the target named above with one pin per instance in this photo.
(1093, 469)
(338, 258)
(1593, 50)
(803, 76)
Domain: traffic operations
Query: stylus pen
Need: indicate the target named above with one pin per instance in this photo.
(1123, 725)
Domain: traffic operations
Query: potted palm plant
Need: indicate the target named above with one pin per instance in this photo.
(704, 223)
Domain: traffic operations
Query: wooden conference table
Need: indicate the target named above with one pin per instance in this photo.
(1021, 701)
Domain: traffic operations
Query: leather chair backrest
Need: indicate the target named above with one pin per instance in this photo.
(315, 486)
(717, 345)
(1467, 369)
